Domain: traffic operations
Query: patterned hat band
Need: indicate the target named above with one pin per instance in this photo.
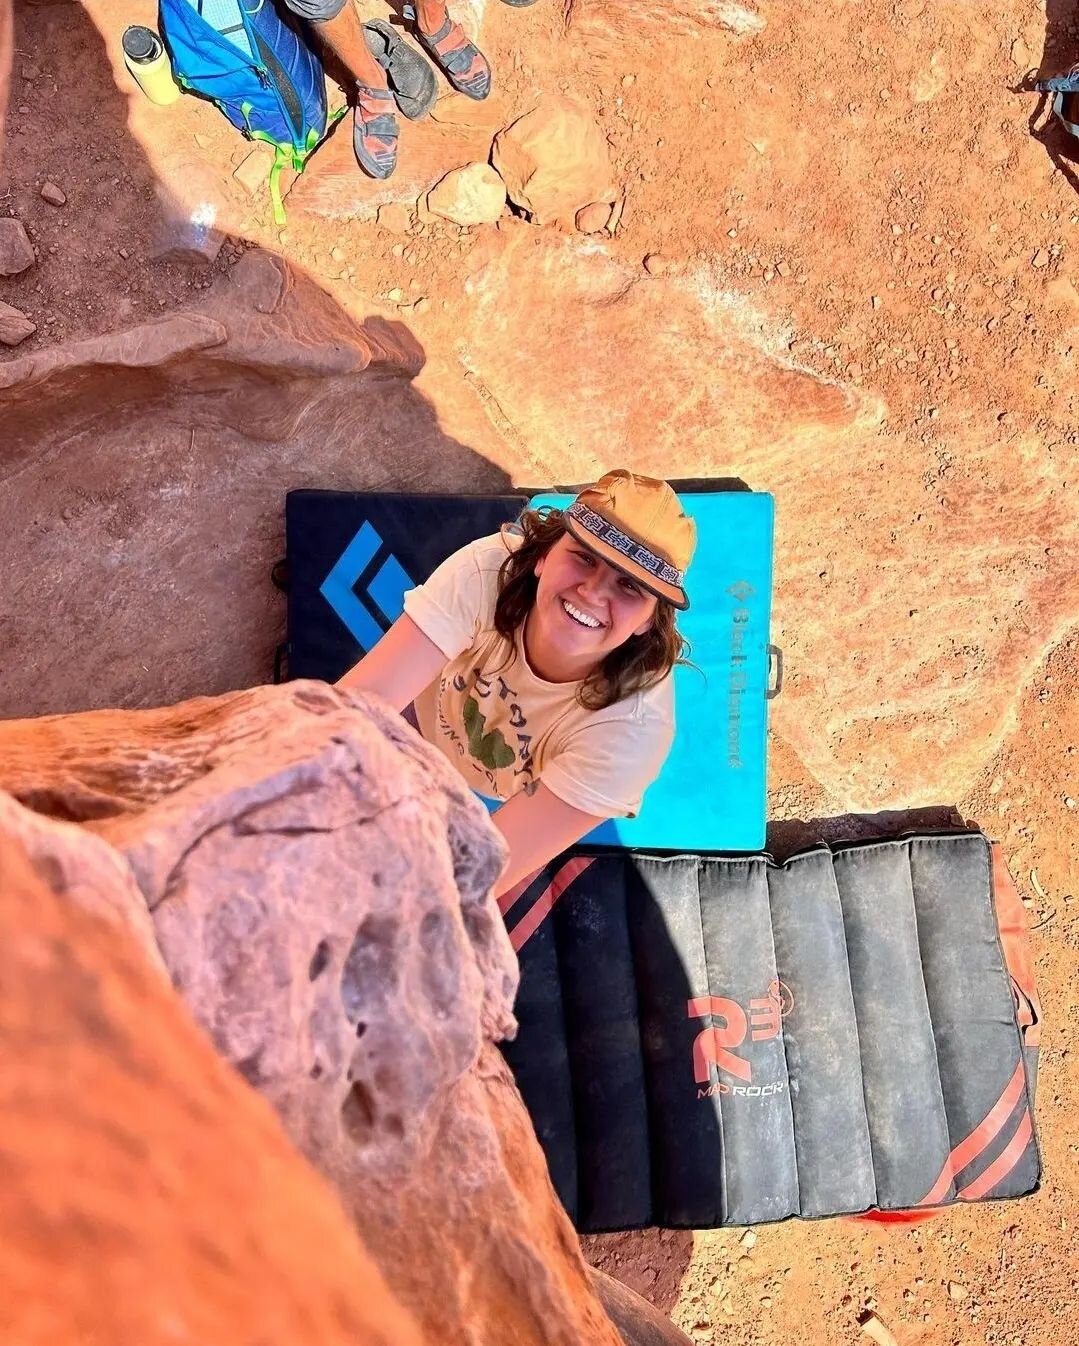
(603, 531)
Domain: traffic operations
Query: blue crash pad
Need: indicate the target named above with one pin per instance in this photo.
(711, 793)
(352, 556)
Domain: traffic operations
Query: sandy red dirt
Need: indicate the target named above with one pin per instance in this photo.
(855, 199)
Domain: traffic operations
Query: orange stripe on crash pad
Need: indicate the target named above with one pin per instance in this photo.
(511, 895)
(939, 1190)
(527, 926)
(986, 1131)
(983, 1134)
(1003, 1164)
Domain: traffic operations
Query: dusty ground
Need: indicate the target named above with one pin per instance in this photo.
(862, 188)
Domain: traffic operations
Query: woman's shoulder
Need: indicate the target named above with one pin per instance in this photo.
(483, 558)
(651, 708)
(489, 553)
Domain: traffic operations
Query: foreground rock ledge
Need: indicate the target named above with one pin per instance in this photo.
(319, 882)
(147, 1197)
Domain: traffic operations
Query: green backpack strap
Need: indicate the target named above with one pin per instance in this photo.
(288, 155)
(283, 155)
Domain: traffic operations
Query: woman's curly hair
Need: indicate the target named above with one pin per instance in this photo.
(639, 663)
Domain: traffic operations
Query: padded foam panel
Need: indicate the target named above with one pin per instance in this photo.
(352, 556)
(711, 793)
(710, 1040)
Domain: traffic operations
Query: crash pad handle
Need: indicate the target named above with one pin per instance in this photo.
(775, 672)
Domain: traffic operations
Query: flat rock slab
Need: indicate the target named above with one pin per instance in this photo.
(333, 184)
(188, 431)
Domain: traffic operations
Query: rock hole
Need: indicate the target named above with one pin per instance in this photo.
(361, 1028)
(251, 1067)
(369, 976)
(319, 960)
(358, 1113)
(441, 960)
(316, 1071)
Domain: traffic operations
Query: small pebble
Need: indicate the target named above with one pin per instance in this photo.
(51, 193)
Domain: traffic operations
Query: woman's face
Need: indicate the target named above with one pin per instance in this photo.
(584, 609)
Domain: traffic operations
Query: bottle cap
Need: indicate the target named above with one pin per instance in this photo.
(141, 44)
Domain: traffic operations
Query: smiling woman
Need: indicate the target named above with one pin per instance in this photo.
(539, 661)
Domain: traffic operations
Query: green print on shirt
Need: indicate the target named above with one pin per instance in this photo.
(491, 748)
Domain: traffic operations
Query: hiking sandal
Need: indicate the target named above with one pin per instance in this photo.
(411, 79)
(374, 131)
(459, 59)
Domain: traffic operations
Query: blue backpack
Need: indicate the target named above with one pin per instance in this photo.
(257, 69)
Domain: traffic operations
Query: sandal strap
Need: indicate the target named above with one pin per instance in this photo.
(456, 59)
(383, 126)
(443, 33)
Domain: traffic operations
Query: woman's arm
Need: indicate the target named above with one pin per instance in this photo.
(537, 828)
(399, 667)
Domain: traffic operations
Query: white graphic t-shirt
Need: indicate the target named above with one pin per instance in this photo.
(505, 729)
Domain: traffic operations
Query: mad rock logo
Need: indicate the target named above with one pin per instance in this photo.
(717, 1067)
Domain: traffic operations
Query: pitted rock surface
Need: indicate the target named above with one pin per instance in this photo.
(320, 884)
(148, 1196)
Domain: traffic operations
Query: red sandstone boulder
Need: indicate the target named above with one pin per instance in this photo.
(148, 1196)
(554, 160)
(319, 880)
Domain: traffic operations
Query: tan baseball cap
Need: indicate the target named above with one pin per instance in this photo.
(637, 524)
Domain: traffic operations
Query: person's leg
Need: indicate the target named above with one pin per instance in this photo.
(374, 136)
(463, 64)
(431, 14)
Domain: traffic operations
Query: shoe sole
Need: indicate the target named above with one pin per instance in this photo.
(393, 51)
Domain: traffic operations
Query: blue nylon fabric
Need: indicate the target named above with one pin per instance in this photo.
(711, 793)
(214, 65)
